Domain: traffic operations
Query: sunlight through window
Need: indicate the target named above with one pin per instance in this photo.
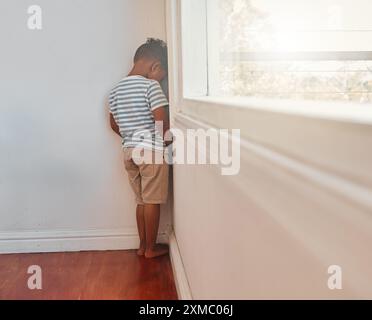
(291, 49)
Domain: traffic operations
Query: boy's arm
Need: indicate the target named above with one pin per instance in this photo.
(114, 125)
(161, 117)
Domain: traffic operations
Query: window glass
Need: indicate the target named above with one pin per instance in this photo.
(291, 49)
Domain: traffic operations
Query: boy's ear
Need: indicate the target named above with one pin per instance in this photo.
(155, 66)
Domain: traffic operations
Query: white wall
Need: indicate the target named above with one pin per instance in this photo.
(300, 204)
(271, 232)
(61, 172)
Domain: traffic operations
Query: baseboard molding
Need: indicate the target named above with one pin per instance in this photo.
(70, 241)
(180, 278)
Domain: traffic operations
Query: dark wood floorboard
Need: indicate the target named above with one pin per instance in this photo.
(117, 275)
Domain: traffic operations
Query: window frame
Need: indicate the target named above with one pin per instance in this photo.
(302, 56)
(201, 91)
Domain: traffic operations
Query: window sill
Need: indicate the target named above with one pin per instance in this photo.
(333, 137)
(337, 111)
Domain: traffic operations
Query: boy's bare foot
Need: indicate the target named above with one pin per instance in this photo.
(157, 251)
(141, 251)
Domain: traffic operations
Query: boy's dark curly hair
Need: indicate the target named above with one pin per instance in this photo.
(153, 49)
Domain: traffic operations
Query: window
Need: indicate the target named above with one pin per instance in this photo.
(291, 49)
(297, 50)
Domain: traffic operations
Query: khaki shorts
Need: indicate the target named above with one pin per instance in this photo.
(148, 181)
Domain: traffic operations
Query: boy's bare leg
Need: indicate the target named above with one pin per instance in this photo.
(141, 229)
(152, 217)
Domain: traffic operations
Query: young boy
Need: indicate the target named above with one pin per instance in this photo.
(136, 103)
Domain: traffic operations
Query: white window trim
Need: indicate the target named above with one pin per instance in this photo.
(331, 135)
(337, 111)
(202, 88)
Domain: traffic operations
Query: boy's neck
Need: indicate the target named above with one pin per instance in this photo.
(138, 70)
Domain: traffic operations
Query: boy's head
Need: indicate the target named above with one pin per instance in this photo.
(153, 57)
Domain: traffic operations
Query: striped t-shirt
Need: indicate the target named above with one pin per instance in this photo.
(131, 104)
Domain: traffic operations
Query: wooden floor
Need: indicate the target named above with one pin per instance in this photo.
(88, 276)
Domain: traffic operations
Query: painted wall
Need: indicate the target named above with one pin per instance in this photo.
(270, 232)
(300, 204)
(61, 171)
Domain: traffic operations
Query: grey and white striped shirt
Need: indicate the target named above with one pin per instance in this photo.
(131, 104)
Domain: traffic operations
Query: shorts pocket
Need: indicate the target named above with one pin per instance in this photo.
(147, 170)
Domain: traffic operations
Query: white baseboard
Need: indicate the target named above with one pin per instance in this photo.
(70, 241)
(180, 278)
